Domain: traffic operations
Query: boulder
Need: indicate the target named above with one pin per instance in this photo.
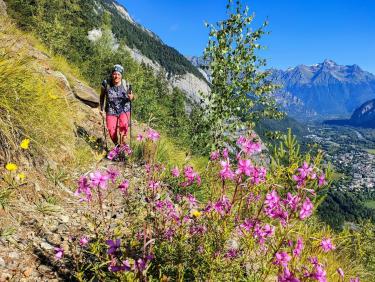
(3, 8)
(85, 94)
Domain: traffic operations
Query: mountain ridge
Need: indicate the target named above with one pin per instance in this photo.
(363, 116)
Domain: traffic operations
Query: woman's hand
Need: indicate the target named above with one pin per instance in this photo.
(131, 96)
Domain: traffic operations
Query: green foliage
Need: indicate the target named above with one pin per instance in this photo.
(63, 27)
(24, 91)
(240, 94)
(340, 207)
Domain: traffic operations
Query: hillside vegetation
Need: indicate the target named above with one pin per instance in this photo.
(243, 214)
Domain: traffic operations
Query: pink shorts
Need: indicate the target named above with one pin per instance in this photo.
(118, 124)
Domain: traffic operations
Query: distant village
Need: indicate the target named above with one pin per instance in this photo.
(355, 165)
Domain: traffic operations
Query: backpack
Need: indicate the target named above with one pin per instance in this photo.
(106, 85)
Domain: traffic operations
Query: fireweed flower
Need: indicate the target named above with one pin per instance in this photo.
(249, 147)
(113, 153)
(307, 209)
(124, 186)
(190, 176)
(113, 267)
(340, 272)
(11, 167)
(84, 188)
(99, 180)
(222, 206)
(322, 180)
(287, 276)
(25, 144)
(298, 248)
(191, 200)
(225, 153)
(327, 245)
(214, 155)
(153, 135)
(140, 137)
(263, 232)
(153, 185)
(292, 201)
(112, 174)
(59, 253)
(282, 258)
(244, 167)
(125, 148)
(175, 172)
(231, 254)
(320, 274)
(140, 264)
(169, 234)
(241, 140)
(304, 172)
(83, 241)
(113, 246)
(354, 279)
(258, 175)
(226, 172)
(197, 230)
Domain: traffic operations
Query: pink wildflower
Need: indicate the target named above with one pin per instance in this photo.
(292, 201)
(354, 279)
(112, 174)
(59, 253)
(113, 153)
(153, 135)
(175, 172)
(225, 153)
(258, 175)
(226, 172)
(322, 180)
(327, 245)
(83, 241)
(282, 258)
(298, 248)
(244, 167)
(320, 273)
(306, 210)
(250, 147)
(223, 206)
(124, 186)
(84, 188)
(287, 276)
(153, 185)
(241, 140)
(340, 272)
(98, 179)
(214, 155)
(140, 137)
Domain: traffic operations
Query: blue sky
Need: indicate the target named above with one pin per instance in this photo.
(302, 31)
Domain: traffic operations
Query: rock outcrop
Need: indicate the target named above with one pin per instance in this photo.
(3, 8)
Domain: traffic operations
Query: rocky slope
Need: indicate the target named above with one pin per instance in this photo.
(192, 82)
(42, 212)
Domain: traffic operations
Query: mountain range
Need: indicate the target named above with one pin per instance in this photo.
(324, 90)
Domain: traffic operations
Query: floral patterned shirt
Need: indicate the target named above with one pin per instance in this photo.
(117, 98)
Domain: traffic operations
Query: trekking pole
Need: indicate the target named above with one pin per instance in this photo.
(130, 124)
(104, 134)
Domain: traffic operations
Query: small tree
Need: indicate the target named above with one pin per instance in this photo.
(240, 93)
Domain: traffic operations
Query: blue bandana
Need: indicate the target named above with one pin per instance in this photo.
(118, 68)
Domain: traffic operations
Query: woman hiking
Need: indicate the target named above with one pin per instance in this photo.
(115, 100)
